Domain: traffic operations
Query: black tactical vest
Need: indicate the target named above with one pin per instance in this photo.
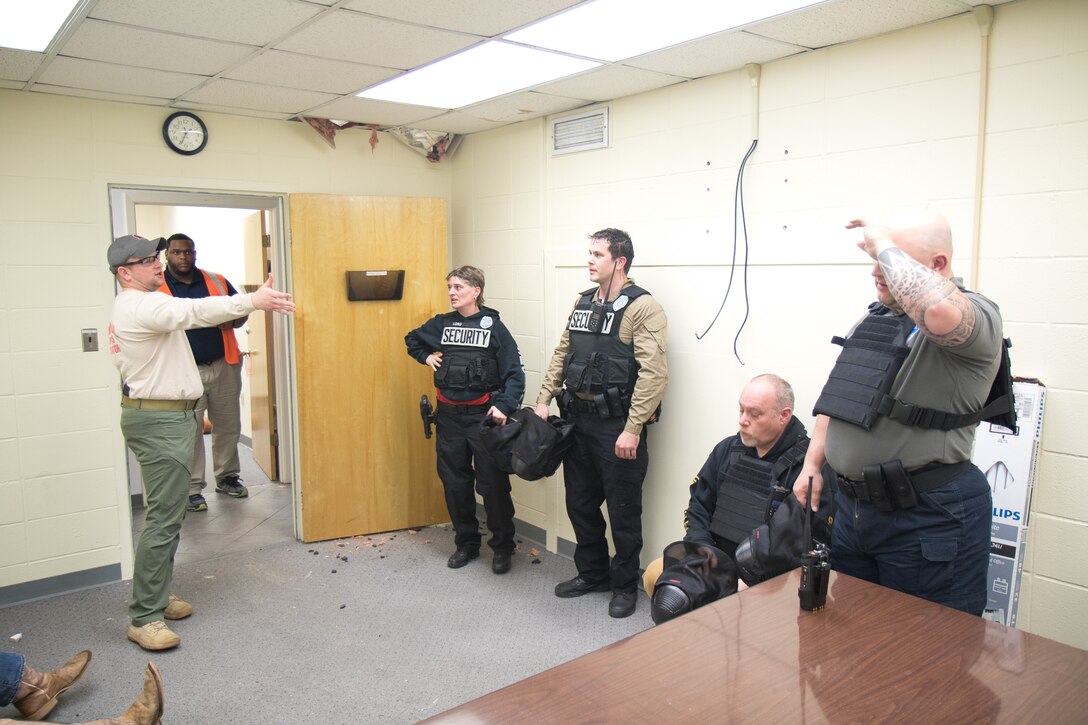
(866, 368)
(751, 488)
(468, 361)
(858, 391)
(598, 362)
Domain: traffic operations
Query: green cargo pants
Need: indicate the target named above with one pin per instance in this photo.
(162, 441)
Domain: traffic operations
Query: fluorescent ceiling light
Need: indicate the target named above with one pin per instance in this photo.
(483, 71)
(613, 30)
(32, 25)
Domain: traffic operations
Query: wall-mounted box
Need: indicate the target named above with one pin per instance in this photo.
(375, 284)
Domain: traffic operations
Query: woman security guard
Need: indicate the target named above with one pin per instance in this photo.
(478, 373)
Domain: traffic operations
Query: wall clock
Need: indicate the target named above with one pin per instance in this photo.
(185, 133)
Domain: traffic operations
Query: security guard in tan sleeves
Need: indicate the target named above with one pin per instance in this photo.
(609, 374)
(161, 387)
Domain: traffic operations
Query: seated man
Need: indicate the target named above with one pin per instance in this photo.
(747, 475)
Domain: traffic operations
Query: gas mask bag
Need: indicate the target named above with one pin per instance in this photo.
(693, 575)
(527, 445)
(498, 441)
(777, 546)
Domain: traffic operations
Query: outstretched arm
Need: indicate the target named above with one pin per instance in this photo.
(270, 300)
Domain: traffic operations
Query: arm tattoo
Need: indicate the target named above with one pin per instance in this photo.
(917, 289)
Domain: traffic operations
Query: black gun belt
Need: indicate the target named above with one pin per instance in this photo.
(598, 405)
(578, 405)
(458, 409)
(925, 478)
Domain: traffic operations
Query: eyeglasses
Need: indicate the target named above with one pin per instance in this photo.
(142, 261)
(182, 252)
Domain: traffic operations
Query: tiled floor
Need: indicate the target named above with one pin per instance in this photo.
(233, 525)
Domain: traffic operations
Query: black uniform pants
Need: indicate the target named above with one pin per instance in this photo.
(593, 475)
(461, 462)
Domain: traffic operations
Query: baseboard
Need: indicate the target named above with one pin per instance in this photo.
(530, 532)
(62, 584)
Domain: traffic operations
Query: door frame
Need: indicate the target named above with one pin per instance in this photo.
(123, 202)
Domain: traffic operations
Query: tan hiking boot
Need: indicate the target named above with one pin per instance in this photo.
(177, 609)
(153, 636)
(147, 710)
(46, 687)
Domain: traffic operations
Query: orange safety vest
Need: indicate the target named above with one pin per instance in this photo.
(217, 287)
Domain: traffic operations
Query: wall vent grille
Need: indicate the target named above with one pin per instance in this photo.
(580, 132)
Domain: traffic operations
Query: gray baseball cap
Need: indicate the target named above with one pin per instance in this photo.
(132, 247)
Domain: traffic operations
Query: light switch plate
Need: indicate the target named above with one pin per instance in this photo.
(89, 336)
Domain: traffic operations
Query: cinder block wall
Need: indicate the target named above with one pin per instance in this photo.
(871, 126)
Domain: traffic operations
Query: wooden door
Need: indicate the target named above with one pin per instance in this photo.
(365, 465)
(259, 361)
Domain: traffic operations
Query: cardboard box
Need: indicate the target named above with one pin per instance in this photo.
(1008, 459)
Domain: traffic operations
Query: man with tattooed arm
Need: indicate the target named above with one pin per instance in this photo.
(912, 512)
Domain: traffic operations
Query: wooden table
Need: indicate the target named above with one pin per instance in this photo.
(872, 655)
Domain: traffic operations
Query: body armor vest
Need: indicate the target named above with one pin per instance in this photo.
(866, 368)
(598, 361)
(858, 391)
(468, 361)
(750, 489)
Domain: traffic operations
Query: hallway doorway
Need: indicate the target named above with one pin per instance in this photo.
(220, 225)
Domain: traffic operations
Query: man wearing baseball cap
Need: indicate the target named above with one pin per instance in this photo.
(160, 387)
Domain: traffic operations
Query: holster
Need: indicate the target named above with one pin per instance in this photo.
(562, 401)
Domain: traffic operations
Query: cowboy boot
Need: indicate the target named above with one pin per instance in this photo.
(43, 688)
(147, 710)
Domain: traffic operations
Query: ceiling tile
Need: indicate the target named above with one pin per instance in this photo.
(608, 83)
(232, 110)
(19, 65)
(98, 40)
(521, 106)
(345, 35)
(257, 97)
(480, 17)
(101, 95)
(838, 22)
(380, 113)
(277, 67)
(256, 22)
(456, 122)
(714, 54)
(98, 76)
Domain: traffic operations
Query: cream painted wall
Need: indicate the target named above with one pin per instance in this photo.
(874, 125)
(63, 489)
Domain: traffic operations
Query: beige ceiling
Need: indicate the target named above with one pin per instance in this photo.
(284, 59)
